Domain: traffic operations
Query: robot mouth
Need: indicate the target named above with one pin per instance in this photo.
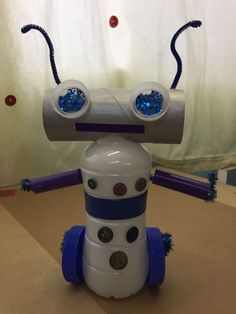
(111, 128)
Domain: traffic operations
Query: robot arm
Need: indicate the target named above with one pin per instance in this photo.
(52, 182)
(205, 191)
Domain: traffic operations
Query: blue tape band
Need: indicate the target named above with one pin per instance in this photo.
(115, 209)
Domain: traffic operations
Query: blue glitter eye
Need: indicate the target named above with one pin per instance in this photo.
(74, 100)
(150, 104)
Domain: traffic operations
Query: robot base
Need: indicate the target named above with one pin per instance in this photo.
(117, 284)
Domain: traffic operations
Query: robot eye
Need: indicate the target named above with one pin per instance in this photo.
(119, 189)
(74, 100)
(149, 101)
(70, 99)
(140, 184)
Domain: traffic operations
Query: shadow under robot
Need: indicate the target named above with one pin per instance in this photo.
(115, 254)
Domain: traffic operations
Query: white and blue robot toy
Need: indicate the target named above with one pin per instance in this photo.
(115, 253)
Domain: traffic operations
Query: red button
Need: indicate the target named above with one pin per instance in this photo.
(10, 100)
(113, 21)
(119, 189)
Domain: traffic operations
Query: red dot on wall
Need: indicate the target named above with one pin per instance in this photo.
(113, 21)
(10, 100)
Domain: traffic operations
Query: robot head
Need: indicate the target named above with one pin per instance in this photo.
(148, 113)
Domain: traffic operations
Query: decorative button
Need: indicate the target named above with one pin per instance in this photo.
(140, 184)
(119, 189)
(132, 234)
(10, 100)
(113, 21)
(92, 184)
(105, 234)
(118, 260)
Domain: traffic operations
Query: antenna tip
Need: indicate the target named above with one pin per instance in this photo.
(26, 28)
(196, 23)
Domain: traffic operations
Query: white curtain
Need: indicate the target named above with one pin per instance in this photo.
(137, 50)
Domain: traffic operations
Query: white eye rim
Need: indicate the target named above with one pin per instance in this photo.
(62, 89)
(147, 87)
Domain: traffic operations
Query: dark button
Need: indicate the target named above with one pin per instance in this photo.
(113, 21)
(10, 100)
(92, 184)
(119, 189)
(132, 234)
(105, 234)
(140, 184)
(118, 260)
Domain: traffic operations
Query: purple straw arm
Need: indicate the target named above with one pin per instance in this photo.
(186, 180)
(182, 184)
(56, 181)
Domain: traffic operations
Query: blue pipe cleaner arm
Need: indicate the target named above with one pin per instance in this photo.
(29, 27)
(194, 24)
(167, 242)
(26, 185)
(212, 179)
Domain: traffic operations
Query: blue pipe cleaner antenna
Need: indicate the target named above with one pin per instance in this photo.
(26, 29)
(194, 24)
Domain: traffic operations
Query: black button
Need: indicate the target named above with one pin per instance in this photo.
(105, 234)
(132, 234)
(140, 184)
(118, 260)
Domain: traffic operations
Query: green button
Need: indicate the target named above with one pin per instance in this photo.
(105, 234)
(92, 184)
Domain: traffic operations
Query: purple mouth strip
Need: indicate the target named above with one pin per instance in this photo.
(112, 128)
